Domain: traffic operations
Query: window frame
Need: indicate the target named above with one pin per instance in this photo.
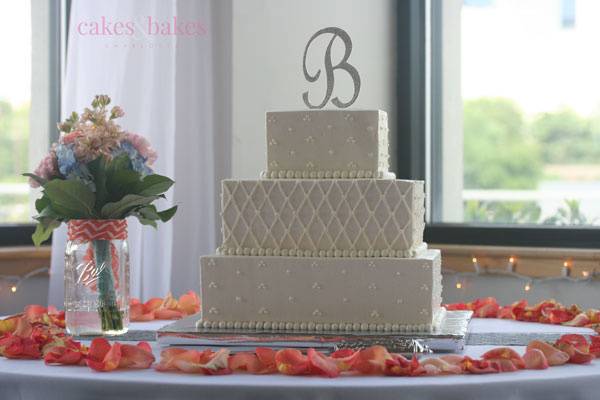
(419, 133)
(20, 234)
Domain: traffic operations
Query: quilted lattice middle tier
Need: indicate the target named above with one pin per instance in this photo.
(323, 217)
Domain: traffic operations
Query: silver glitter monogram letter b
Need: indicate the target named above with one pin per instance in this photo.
(330, 68)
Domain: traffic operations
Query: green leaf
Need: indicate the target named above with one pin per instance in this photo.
(149, 212)
(167, 214)
(46, 214)
(97, 169)
(153, 184)
(36, 178)
(43, 231)
(70, 199)
(121, 183)
(122, 208)
(120, 178)
(119, 163)
(145, 221)
(42, 203)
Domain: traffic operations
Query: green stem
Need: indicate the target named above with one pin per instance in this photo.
(110, 315)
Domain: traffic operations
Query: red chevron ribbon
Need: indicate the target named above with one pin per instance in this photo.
(86, 230)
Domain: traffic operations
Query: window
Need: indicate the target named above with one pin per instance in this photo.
(509, 142)
(567, 15)
(29, 105)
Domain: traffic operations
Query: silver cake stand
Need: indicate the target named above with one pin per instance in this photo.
(450, 336)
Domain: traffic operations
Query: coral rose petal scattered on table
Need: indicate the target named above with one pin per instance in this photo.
(39, 333)
(292, 362)
(535, 359)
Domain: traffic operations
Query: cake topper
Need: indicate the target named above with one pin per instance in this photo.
(330, 68)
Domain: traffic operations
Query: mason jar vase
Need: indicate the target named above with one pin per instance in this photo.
(97, 277)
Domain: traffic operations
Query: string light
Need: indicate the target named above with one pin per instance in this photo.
(14, 282)
(528, 281)
(511, 264)
(476, 266)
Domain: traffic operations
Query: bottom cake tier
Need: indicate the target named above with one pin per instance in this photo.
(321, 294)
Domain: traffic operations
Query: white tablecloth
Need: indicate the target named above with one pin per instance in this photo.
(20, 379)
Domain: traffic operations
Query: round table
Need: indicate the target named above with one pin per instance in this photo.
(24, 379)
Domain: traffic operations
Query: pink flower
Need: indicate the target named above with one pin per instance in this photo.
(143, 147)
(70, 137)
(46, 169)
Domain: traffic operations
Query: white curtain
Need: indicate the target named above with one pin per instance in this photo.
(168, 86)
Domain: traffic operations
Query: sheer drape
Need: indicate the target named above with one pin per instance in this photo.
(166, 85)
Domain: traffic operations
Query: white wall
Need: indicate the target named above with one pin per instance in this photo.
(269, 37)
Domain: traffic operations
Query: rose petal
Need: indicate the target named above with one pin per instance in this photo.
(15, 347)
(505, 353)
(244, 361)
(169, 302)
(164, 313)
(102, 356)
(398, 365)
(291, 362)
(136, 313)
(153, 304)
(23, 328)
(473, 366)
(485, 308)
(580, 319)
(34, 312)
(595, 346)
(267, 358)
(558, 315)
(321, 365)
(553, 355)
(345, 358)
(189, 303)
(371, 360)
(443, 366)
(136, 357)
(9, 324)
(64, 352)
(431, 370)
(503, 365)
(192, 361)
(579, 341)
(167, 358)
(454, 359)
(506, 313)
(535, 359)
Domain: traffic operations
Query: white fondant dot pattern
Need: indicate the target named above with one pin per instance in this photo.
(293, 297)
(340, 137)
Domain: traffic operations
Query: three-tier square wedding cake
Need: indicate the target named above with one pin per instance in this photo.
(327, 240)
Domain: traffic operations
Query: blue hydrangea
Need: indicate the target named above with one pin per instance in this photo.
(138, 163)
(66, 159)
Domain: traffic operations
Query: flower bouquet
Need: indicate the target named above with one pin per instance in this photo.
(93, 178)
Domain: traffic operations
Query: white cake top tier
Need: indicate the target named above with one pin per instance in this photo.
(327, 144)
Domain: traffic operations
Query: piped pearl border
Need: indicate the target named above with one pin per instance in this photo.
(370, 253)
(341, 174)
(325, 327)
